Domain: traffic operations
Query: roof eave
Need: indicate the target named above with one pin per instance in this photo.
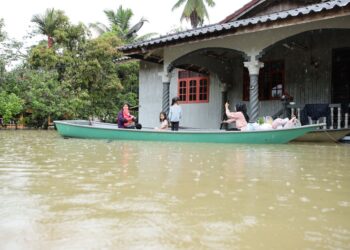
(229, 29)
(145, 49)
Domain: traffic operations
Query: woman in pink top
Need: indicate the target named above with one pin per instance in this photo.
(240, 116)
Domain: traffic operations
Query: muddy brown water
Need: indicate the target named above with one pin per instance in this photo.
(60, 193)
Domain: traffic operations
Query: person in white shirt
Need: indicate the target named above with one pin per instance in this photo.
(175, 114)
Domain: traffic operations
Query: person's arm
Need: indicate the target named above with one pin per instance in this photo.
(230, 120)
(120, 120)
(226, 106)
(128, 117)
(232, 115)
(227, 110)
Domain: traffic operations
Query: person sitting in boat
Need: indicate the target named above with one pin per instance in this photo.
(240, 116)
(125, 119)
(267, 123)
(285, 123)
(163, 121)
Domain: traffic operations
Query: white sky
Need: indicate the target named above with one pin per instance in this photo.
(18, 13)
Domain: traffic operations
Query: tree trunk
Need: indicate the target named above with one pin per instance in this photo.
(194, 19)
(49, 41)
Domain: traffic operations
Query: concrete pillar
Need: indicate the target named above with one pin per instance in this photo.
(253, 68)
(166, 92)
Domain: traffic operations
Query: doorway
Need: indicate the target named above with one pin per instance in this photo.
(341, 76)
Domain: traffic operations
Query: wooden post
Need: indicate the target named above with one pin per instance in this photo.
(339, 117)
(310, 120)
(294, 110)
(346, 123)
(291, 112)
(298, 113)
(338, 107)
(325, 122)
(332, 109)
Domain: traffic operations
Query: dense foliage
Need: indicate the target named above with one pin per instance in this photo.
(10, 106)
(69, 76)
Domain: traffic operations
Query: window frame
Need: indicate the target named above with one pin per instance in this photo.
(184, 87)
(262, 78)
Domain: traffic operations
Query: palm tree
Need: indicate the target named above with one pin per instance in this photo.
(194, 11)
(49, 22)
(119, 23)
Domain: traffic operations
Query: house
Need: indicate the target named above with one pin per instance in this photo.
(263, 50)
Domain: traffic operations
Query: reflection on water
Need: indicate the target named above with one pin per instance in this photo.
(60, 193)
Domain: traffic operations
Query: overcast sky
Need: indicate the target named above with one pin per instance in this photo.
(17, 13)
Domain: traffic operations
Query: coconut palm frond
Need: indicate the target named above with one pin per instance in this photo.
(202, 10)
(119, 24)
(49, 21)
(121, 17)
(178, 4)
(210, 3)
(195, 11)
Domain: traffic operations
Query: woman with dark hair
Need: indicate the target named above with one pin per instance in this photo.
(241, 107)
(163, 121)
(175, 114)
(240, 117)
(125, 119)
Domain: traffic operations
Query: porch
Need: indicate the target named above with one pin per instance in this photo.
(255, 60)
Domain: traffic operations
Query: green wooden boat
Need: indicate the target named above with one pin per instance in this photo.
(98, 130)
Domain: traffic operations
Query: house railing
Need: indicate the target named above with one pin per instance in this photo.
(335, 112)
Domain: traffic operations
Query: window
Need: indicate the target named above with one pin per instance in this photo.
(271, 81)
(193, 87)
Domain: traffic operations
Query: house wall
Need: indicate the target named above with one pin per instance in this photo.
(199, 115)
(150, 94)
(304, 81)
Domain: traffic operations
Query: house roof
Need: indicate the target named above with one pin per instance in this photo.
(216, 30)
(123, 59)
(263, 4)
(241, 11)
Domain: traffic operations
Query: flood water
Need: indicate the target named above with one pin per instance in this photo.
(60, 193)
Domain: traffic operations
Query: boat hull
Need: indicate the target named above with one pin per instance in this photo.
(82, 129)
(324, 135)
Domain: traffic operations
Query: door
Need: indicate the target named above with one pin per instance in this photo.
(341, 76)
